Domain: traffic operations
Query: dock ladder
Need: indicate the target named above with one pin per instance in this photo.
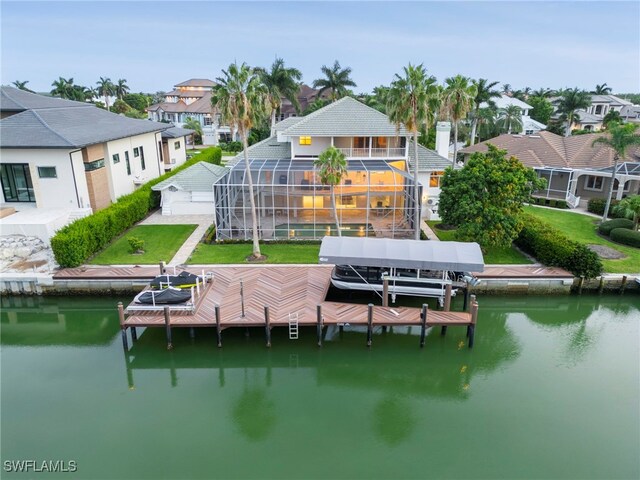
(293, 326)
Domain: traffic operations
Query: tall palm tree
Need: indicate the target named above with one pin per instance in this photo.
(22, 85)
(408, 104)
(281, 82)
(484, 94)
(336, 79)
(332, 167)
(193, 124)
(510, 119)
(486, 121)
(602, 89)
(458, 97)
(121, 88)
(106, 89)
(620, 137)
(506, 88)
(62, 87)
(542, 93)
(570, 100)
(242, 100)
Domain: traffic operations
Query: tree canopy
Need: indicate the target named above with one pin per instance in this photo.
(484, 198)
(542, 108)
(336, 79)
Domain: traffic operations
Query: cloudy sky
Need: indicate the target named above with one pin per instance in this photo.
(156, 44)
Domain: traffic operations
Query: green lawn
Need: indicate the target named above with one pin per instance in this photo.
(493, 255)
(582, 228)
(237, 253)
(161, 242)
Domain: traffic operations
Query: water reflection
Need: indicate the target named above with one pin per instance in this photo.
(39, 321)
(254, 413)
(394, 420)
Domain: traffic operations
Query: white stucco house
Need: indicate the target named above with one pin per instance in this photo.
(529, 125)
(62, 160)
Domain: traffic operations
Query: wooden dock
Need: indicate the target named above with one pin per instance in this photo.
(273, 296)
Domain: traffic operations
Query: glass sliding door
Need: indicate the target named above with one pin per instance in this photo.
(16, 182)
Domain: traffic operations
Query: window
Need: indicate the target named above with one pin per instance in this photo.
(434, 179)
(142, 159)
(95, 165)
(136, 152)
(126, 161)
(598, 109)
(528, 132)
(176, 145)
(116, 158)
(16, 182)
(593, 183)
(207, 121)
(305, 140)
(47, 172)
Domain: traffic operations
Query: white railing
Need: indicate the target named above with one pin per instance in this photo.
(572, 200)
(373, 152)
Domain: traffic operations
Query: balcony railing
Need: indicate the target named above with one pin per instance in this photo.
(373, 152)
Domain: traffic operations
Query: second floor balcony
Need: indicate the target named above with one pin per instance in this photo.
(373, 152)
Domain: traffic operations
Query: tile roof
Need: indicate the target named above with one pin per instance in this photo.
(196, 178)
(16, 100)
(286, 123)
(346, 117)
(69, 127)
(186, 93)
(202, 105)
(268, 149)
(177, 132)
(196, 82)
(427, 159)
(505, 100)
(546, 149)
(610, 99)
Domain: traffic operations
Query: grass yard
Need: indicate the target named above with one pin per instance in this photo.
(237, 253)
(161, 242)
(494, 255)
(583, 228)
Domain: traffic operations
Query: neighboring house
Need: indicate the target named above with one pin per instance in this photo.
(191, 190)
(591, 118)
(574, 169)
(192, 99)
(376, 196)
(529, 125)
(174, 146)
(630, 113)
(306, 97)
(62, 160)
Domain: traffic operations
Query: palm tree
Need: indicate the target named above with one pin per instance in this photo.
(506, 89)
(542, 93)
(281, 82)
(242, 100)
(62, 87)
(602, 89)
(22, 85)
(121, 88)
(106, 89)
(408, 104)
(332, 167)
(630, 207)
(486, 121)
(458, 97)
(484, 94)
(510, 119)
(619, 139)
(337, 79)
(572, 99)
(193, 124)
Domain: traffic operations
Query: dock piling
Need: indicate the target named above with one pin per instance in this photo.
(319, 320)
(218, 329)
(623, 285)
(467, 292)
(447, 297)
(474, 319)
(134, 334)
(242, 298)
(423, 323)
(267, 326)
(580, 284)
(385, 291)
(601, 284)
(167, 323)
(369, 324)
(123, 328)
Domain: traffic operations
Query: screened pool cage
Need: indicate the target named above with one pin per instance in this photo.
(375, 198)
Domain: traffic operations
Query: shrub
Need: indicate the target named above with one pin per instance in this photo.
(596, 205)
(136, 245)
(626, 237)
(210, 235)
(553, 248)
(73, 244)
(605, 228)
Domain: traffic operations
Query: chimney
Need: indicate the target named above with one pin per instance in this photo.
(443, 133)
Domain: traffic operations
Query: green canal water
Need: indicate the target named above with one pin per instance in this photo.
(550, 390)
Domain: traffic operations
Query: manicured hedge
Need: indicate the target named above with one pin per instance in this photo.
(596, 205)
(549, 202)
(553, 248)
(626, 236)
(76, 243)
(605, 228)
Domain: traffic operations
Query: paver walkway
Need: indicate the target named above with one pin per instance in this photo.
(427, 230)
(183, 253)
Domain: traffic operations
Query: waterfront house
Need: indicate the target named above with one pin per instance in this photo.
(192, 99)
(575, 170)
(529, 125)
(62, 160)
(591, 118)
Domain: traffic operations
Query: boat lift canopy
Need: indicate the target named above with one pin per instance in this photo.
(387, 252)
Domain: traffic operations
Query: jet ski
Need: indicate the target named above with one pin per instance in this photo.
(168, 296)
(182, 280)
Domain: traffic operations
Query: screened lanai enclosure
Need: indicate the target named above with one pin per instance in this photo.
(375, 198)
